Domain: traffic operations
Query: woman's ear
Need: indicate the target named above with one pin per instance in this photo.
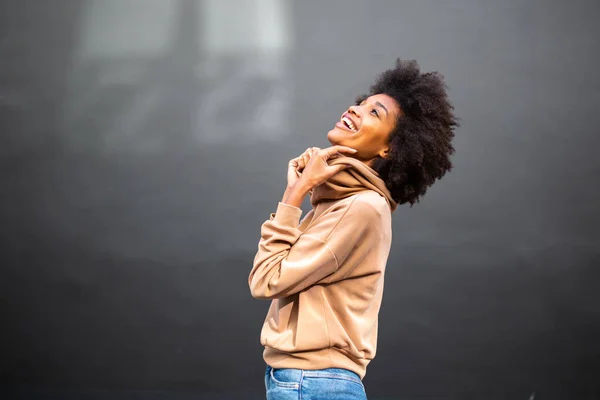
(384, 152)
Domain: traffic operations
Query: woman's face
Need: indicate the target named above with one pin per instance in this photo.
(366, 127)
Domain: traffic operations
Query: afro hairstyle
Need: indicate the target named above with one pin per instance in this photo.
(421, 142)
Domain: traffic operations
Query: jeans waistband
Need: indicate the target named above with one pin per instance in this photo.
(296, 374)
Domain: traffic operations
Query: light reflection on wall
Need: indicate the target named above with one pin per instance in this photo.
(114, 28)
(238, 26)
(155, 74)
(246, 45)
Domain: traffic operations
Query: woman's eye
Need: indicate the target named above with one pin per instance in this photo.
(374, 112)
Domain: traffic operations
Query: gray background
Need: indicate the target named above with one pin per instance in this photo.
(144, 142)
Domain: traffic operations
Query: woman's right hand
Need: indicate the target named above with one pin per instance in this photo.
(297, 165)
(317, 170)
(314, 162)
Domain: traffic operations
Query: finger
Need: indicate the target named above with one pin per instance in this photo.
(310, 150)
(336, 155)
(334, 169)
(313, 152)
(338, 149)
(305, 159)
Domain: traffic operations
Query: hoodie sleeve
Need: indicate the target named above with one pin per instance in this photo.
(289, 260)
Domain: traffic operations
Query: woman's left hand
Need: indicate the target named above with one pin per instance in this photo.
(317, 170)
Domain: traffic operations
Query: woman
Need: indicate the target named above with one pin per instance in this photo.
(324, 274)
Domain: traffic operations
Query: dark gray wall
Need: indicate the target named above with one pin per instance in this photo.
(144, 142)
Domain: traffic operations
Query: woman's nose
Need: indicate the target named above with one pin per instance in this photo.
(353, 110)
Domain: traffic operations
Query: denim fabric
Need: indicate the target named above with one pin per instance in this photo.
(323, 384)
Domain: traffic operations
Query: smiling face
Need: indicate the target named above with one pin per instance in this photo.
(366, 127)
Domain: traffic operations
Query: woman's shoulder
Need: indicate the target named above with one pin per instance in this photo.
(370, 200)
(364, 205)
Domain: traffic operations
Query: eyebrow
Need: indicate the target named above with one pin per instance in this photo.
(382, 106)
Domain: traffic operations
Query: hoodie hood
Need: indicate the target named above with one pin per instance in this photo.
(359, 177)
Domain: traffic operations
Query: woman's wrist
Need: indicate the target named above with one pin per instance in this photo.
(294, 195)
(301, 184)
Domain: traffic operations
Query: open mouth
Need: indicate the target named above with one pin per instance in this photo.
(348, 123)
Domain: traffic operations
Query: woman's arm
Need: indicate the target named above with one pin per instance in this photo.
(287, 261)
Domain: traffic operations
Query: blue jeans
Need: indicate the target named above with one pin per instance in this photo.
(325, 384)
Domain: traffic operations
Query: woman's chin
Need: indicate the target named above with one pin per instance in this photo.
(333, 138)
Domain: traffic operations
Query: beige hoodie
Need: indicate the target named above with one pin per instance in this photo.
(325, 273)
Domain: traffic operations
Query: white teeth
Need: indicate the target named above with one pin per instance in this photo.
(348, 123)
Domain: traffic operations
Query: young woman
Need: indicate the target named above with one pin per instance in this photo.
(324, 274)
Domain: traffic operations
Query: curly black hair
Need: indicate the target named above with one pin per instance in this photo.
(420, 144)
